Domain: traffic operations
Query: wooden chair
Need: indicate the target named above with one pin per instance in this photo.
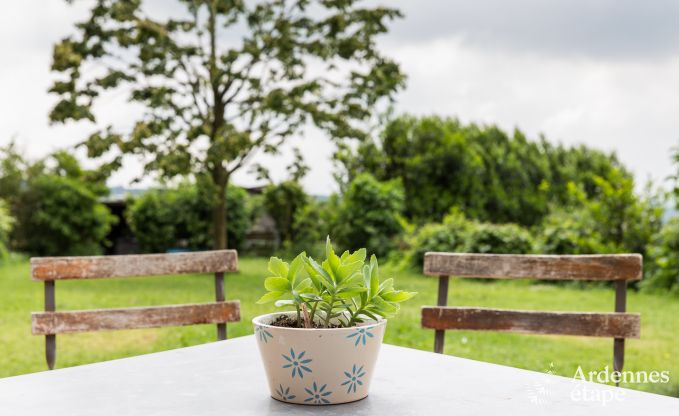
(51, 269)
(618, 267)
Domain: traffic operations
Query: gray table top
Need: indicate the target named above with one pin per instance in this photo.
(227, 378)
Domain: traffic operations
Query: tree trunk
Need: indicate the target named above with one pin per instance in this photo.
(220, 176)
(219, 217)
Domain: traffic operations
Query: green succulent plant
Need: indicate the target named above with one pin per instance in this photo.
(342, 290)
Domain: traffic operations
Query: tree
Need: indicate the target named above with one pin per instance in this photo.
(486, 173)
(211, 101)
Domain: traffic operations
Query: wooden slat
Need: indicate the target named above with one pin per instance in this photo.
(619, 325)
(94, 267)
(550, 267)
(148, 317)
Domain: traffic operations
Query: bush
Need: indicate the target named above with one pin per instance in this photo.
(152, 221)
(284, 203)
(6, 223)
(663, 270)
(450, 236)
(570, 233)
(369, 215)
(61, 216)
(458, 234)
(181, 218)
(499, 238)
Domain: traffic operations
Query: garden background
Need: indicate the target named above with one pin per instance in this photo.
(405, 184)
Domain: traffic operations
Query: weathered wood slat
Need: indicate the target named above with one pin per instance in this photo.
(549, 267)
(95, 267)
(619, 325)
(148, 317)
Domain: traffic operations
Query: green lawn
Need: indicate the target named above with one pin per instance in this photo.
(20, 352)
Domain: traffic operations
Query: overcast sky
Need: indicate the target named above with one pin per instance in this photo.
(604, 73)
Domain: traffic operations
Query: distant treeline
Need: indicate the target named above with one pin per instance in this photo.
(423, 184)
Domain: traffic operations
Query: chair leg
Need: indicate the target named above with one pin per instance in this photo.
(618, 355)
(51, 350)
(50, 340)
(619, 343)
(439, 336)
(219, 296)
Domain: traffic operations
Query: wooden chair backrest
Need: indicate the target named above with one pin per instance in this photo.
(52, 269)
(618, 267)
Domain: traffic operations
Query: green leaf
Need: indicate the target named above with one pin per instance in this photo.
(280, 284)
(284, 302)
(319, 271)
(330, 256)
(350, 293)
(385, 308)
(366, 280)
(305, 284)
(346, 271)
(313, 275)
(270, 297)
(328, 270)
(397, 296)
(278, 267)
(386, 286)
(374, 276)
(312, 297)
(295, 266)
(358, 255)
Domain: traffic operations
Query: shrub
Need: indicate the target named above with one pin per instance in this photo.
(181, 217)
(284, 203)
(663, 270)
(499, 238)
(309, 228)
(61, 216)
(152, 221)
(450, 236)
(6, 224)
(570, 233)
(369, 215)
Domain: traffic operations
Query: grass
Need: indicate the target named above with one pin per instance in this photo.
(21, 353)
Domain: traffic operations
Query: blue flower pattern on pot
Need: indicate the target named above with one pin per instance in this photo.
(263, 334)
(354, 378)
(297, 363)
(316, 395)
(361, 334)
(284, 394)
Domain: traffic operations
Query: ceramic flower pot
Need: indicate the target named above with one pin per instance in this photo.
(318, 366)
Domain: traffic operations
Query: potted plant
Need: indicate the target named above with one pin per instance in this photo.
(323, 351)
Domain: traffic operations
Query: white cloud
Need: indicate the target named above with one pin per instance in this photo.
(622, 106)
(623, 100)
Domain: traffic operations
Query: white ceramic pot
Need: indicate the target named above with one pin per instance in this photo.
(318, 366)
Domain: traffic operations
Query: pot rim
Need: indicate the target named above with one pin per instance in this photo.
(257, 322)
